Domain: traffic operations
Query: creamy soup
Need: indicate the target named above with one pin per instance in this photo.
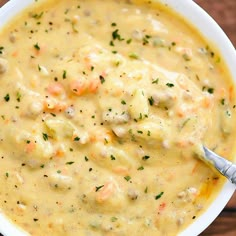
(105, 106)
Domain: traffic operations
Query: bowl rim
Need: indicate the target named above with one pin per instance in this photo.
(210, 30)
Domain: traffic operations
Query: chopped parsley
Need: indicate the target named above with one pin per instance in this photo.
(127, 178)
(7, 97)
(37, 47)
(86, 158)
(18, 96)
(222, 101)
(64, 75)
(70, 162)
(123, 102)
(113, 219)
(113, 24)
(134, 56)
(159, 195)
(145, 157)
(1, 49)
(151, 101)
(38, 16)
(170, 85)
(45, 136)
(141, 168)
(155, 81)
(210, 90)
(98, 188)
(112, 158)
(76, 138)
(129, 41)
(102, 79)
(116, 35)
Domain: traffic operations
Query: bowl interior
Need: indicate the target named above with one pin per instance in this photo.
(209, 28)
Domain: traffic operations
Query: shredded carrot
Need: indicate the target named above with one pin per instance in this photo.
(15, 53)
(231, 93)
(120, 170)
(30, 147)
(55, 89)
(194, 169)
(105, 192)
(162, 206)
(78, 87)
(94, 85)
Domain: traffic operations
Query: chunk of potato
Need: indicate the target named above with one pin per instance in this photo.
(138, 107)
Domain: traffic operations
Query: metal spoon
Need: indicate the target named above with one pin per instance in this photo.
(225, 167)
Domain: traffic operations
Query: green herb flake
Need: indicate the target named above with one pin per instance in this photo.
(133, 56)
(146, 190)
(114, 219)
(7, 97)
(76, 138)
(145, 157)
(64, 75)
(155, 81)
(127, 178)
(123, 102)
(1, 49)
(151, 101)
(113, 24)
(102, 79)
(170, 85)
(70, 162)
(7, 174)
(129, 41)
(58, 172)
(98, 188)
(186, 57)
(36, 46)
(159, 195)
(45, 136)
(86, 158)
(222, 101)
(116, 35)
(210, 90)
(141, 168)
(112, 157)
(27, 141)
(38, 16)
(18, 96)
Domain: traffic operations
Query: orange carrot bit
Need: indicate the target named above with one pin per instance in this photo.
(55, 89)
(195, 168)
(182, 143)
(15, 53)
(94, 85)
(120, 170)
(231, 93)
(162, 206)
(78, 87)
(105, 192)
(54, 106)
(30, 147)
(59, 153)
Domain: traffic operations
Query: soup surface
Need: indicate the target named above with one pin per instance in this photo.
(104, 108)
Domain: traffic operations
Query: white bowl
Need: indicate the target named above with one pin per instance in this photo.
(209, 28)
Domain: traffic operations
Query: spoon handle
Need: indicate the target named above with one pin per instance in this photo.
(225, 167)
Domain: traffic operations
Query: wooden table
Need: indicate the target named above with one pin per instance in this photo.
(224, 12)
